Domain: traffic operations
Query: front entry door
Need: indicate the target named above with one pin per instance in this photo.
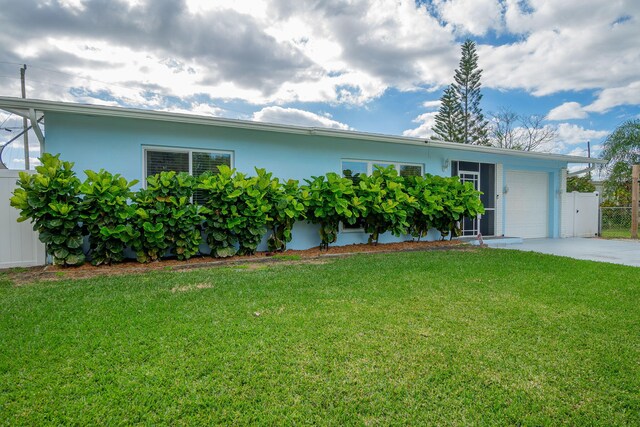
(483, 178)
(470, 226)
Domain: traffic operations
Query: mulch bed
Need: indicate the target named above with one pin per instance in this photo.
(21, 276)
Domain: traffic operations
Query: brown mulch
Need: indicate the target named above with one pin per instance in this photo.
(20, 276)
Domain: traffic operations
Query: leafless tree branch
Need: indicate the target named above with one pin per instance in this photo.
(520, 132)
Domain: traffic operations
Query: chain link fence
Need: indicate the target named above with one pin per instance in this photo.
(615, 222)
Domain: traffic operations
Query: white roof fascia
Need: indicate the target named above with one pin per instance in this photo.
(14, 104)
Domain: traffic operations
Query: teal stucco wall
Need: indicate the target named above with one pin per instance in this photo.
(117, 144)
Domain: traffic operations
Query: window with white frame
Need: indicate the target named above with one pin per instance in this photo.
(194, 162)
(353, 168)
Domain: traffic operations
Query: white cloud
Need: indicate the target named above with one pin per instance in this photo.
(605, 101)
(431, 105)
(425, 129)
(567, 111)
(612, 97)
(199, 109)
(294, 116)
(17, 163)
(272, 51)
(565, 45)
(281, 51)
(18, 145)
(471, 16)
(397, 43)
(572, 138)
(572, 134)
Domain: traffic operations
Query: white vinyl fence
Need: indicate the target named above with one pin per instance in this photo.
(579, 214)
(19, 244)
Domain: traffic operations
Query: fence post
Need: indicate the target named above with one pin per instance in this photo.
(599, 220)
(635, 188)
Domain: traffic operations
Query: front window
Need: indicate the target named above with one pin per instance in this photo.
(410, 170)
(164, 161)
(194, 162)
(353, 168)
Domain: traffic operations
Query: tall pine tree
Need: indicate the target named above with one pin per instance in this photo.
(460, 117)
(467, 86)
(449, 117)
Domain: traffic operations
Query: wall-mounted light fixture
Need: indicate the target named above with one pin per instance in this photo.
(445, 164)
(505, 190)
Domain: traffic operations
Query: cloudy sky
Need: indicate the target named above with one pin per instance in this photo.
(368, 65)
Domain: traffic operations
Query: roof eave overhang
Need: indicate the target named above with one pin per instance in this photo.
(21, 107)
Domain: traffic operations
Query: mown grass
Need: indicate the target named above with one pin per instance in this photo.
(488, 337)
(616, 233)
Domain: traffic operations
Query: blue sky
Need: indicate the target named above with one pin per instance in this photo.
(369, 65)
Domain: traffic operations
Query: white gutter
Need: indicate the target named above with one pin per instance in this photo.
(581, 171)
(21, 107)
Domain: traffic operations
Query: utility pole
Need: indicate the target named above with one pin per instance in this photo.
(24, 120)
(635, 189)
(589, 156)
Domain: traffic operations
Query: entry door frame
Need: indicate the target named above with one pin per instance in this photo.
(476, 223)
(474, 178)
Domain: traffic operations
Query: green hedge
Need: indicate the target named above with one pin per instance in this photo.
(235, 213)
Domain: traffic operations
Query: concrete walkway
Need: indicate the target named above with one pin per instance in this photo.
(626, 252)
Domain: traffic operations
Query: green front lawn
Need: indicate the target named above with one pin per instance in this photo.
(482, 337)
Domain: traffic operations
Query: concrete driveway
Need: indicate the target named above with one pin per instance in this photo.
(626, 252)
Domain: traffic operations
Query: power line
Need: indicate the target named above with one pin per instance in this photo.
(5, 120)
(40, 81)
(80, 77)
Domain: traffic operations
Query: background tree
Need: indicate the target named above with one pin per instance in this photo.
(467, 86)
(519, 132)
(621, 150)
(581, 184)
(449, 118)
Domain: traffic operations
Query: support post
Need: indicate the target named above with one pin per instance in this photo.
(36, 128)
(24, 120)
(635, 189)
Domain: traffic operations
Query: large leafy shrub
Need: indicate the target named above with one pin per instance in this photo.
(287, 207)
(427, 206)
(236, 210)
(105, 215)
(458, 200)
(50, 199)
(254, 210)
(219, 195)
(330, 201)
(166, 219)
(383, 203)
(237, 215)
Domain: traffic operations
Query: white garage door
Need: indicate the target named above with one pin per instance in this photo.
(527, 204)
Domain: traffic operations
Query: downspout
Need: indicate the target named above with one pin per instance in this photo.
(591, 167)
(36, 129)
(581, 171)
